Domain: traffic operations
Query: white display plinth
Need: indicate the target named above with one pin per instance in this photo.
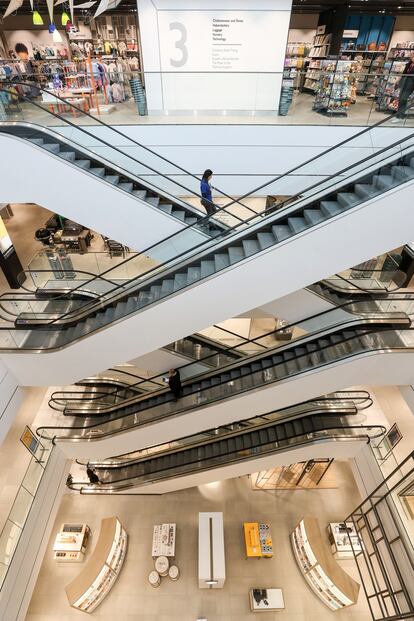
(211, 558)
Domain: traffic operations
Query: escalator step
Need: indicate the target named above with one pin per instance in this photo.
(290, 431)
(53, 147)
(281, 432)
(250, 246)
(231, 444)
(114, 179)
(178, 213)
(235, 373)
(348, 199)
(140, 194)
(265, 240)
(313, 216)
(207, 268)
(70, 156)
(236, 254)
(384, 182)
(193, 274)
(298, 427)
(239, 443)
(288, 355)
(402, 173)
(272, 434)
(297, 224)
(255, 438)
(221, 261)
(153, 200)
(264, 437)
(266, 363)
(307, 425)
(126, 186)
(330, 208)
(281, 232)
(247, 441)
(256, 366)
(85, 164)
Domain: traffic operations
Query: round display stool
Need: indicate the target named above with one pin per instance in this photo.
(162, 565)
(174, 573)
(154, 579)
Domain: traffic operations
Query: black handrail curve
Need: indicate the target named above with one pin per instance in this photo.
(344, 306)
(274, 217)
(362, 332)
(280, 210)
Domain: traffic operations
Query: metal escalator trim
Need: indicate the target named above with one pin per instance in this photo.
(232, 458)
(362, 323)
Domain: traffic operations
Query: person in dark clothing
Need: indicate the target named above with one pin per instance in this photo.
(205, 190)
(92, 476)
(406, 87)
(174, 382)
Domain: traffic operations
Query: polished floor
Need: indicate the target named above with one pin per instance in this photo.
(133, 599)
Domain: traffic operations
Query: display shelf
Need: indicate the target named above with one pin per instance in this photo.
(344, 539)
(335, 588)
(336, 88)
(258, 540)
(93, 584)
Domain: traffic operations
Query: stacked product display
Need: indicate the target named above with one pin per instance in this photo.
(335, 588)
(388, 88)
(336, 88)
(368, 69)
(258, 540)
(93, 584)
(321, 45)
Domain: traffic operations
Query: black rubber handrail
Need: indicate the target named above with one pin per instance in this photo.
(158, 268)
(361, 400)
(332, 433)
(361, 332)
(344, 306)
(280, 212)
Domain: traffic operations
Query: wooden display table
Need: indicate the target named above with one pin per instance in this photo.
(263, 600)
(258, 540)
(334, 587)
(93, 584)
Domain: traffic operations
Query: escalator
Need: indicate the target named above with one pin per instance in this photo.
(248, 442)
(321, 342)
(55, 327)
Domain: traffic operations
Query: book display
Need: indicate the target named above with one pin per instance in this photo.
(258, 540)
(336, 88)
(93, 584)
(368, 69)
(163, 540)
(388, 88)
(334, 587)
(321, 45)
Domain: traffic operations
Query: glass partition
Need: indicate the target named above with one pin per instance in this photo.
(13, 528)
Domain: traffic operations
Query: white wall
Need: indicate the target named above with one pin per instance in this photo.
(294, 306)
(213, 55)
(21, 578)
(291, 265)
(32, 175)
(11, 396)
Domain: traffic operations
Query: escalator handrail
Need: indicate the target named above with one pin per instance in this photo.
(363, 289)
(178, 412)
(101, 159)
(144, 279)
(274, 217)
(287, 173)
(317, 410)
(379, 431)
(396, 296)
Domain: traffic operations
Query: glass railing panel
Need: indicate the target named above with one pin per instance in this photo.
(9, 539)
(21, 507)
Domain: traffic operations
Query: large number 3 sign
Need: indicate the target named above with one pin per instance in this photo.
(180, 44)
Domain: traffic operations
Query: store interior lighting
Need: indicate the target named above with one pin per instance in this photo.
(65, 18)
(37, 19)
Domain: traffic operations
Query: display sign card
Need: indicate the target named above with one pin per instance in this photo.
(30, 441)
(350, 34)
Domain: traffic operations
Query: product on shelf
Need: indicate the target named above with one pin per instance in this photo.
(344, 539)
(93, 584)
(334, 587)
(388, 88)
(70, 543)
(321, 45)
(336, 88)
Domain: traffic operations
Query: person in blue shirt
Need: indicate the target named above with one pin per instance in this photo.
(205, 190)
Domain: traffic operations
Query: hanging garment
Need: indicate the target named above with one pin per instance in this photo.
(118, 93)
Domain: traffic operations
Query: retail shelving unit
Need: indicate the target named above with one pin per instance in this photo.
(368, 68)
(258, 540)
(334, 587)
(93, 584)
(319, 51)
(321, 45)
(336, 87)
(387, 92)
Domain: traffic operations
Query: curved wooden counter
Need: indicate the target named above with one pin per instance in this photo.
(98, 576)
(323, 574)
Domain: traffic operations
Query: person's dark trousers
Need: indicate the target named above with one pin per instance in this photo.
(405, 92)
(210, 208)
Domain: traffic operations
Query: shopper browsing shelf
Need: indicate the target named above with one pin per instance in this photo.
(174, 382)
(205, 189)
(406, 87)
